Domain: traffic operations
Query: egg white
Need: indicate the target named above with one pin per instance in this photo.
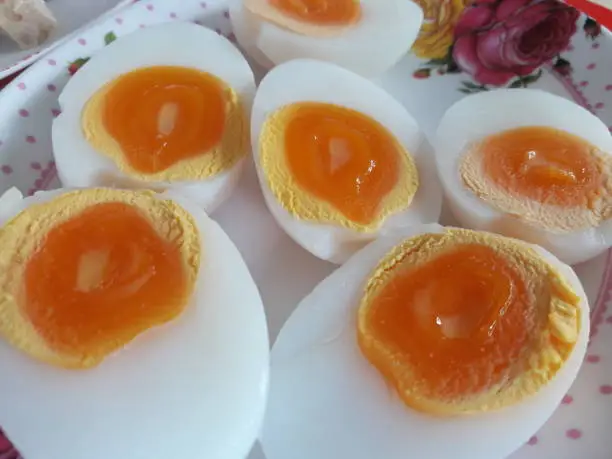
(307, 80)
(194, 387)
(245, 27)
(80, 165)
(328, 402)
(479, 115)
(385, 33)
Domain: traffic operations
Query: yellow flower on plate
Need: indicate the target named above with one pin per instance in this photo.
(436, 35)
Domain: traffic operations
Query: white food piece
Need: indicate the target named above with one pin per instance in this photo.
(27, 22)
(307, 80)
(327, 401)
(194, 387)
(383, 35)
(479, 115)
(80, 165)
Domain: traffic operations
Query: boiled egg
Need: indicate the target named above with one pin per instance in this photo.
(365, 36)
(130, 327)
(164, 108)
(531, 165)
(339, 160)
(432, 342)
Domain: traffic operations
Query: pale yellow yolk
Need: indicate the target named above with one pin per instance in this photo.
(543, 175)
(544, 164)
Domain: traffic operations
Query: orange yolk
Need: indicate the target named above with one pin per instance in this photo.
(543, 164)
(321, 12)
(460, 320)
(100, 279)
(342, 157)
(162, 115)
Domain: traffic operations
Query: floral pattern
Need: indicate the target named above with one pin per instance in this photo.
(81, 61)
(498, 43)
(437, 33)
(6, 449)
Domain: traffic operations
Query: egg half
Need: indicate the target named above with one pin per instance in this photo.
(130, 327)
(531, 165)
(414, 345)
(339, 160)
(365, 36)
(146, 113)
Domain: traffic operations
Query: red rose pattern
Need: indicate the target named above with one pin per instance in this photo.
(498, 40)
(6, 448)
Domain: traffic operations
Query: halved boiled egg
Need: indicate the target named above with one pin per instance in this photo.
(531, 165)
(130, 327)
(365, 36)
(339, 160)
(145, 113)
(431, 342)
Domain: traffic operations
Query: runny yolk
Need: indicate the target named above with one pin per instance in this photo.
(342, 157)
(100, 279)
(162, 115)
(544, 164)
(459, 319)
(321, 12)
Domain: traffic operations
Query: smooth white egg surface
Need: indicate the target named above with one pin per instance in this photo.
(383, 34)
(486, 113)
(306, 80)
(327, 401)
(79, 164)
(194, 387)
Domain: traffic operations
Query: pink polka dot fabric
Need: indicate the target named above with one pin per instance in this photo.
(580, 428)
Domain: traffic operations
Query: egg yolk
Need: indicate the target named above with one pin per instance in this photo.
(343, 157)
(321, 12)
(163, 115)
(449, 321)
(461, 319)
(543, 164)
(99, 279)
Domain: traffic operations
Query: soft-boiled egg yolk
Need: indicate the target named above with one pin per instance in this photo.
(167, 122)
(321, 12)
(329, 163)
(464, 321)
(541, 164)
(315, 18)
(99, 268)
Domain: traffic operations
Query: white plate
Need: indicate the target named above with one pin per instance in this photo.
(284, 272)
(71, 16)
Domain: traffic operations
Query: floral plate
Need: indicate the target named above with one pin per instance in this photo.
(461, 50)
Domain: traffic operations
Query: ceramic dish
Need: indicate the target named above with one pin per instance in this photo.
(573, 60)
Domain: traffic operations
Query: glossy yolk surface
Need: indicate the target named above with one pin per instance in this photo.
(100, 279)
(543, 164)
(321, 12)
(459, 319)
(343, 157)
(162, 115)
